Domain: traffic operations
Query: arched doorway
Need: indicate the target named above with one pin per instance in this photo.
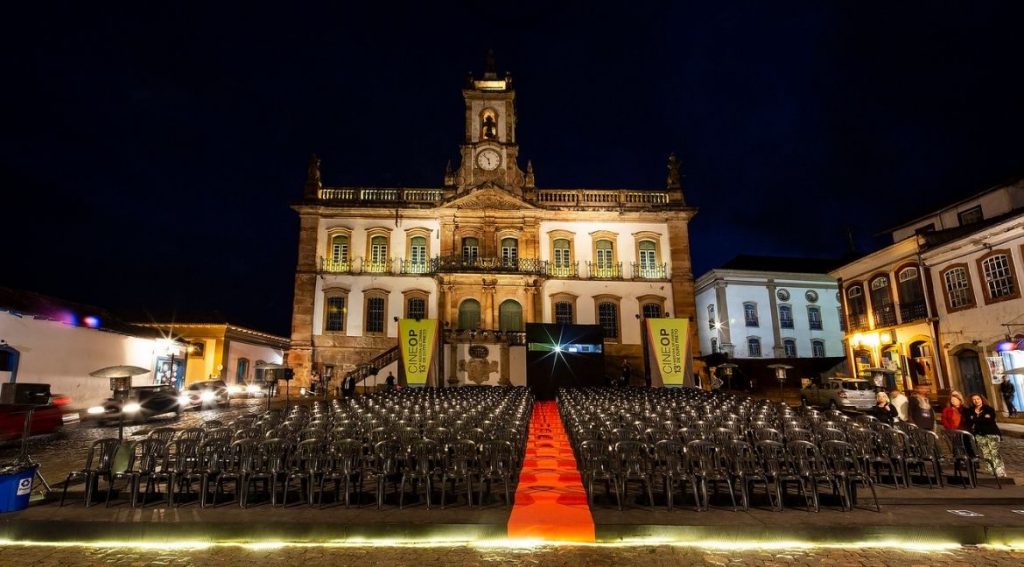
(510, 316)
(469, 314)
(922, 364)
(971, 379)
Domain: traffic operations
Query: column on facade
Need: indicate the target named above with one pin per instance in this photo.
(722, 312)
(447, 290)
(777, 349)
(531, 303)
(488, 307)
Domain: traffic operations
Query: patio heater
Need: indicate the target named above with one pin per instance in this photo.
(780, 375)
(727, 369)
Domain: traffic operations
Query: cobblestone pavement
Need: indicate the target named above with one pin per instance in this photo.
(590, 556)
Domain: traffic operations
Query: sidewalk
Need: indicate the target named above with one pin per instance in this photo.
(1012, 429)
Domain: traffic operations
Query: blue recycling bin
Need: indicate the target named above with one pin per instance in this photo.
(16, 486)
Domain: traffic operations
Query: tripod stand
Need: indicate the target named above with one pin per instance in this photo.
(25, 459)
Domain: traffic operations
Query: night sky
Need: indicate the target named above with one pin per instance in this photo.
(149, 151)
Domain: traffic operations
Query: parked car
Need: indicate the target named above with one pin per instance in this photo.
(48, 418)
(208, 394)
(842, 393)
(142, 403)
(251, 390)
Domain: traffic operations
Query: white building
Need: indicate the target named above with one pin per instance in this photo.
(936, 304)
(763, 307)
(45, 340)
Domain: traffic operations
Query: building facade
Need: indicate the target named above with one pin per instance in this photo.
(934, 307)
(769, 308)
(224, 351)
(484, 253)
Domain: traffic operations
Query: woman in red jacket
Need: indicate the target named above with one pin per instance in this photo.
(953, 415)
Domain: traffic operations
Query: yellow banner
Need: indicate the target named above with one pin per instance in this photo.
(417, 340)
(668, 349)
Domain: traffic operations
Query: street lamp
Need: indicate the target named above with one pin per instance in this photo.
(727, 370)
(780, 375)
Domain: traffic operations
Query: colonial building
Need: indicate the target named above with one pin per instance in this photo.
(936, 307)
(486, 252)
(224, 351)
(766, 307)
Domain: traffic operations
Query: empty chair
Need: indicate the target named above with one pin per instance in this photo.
(461, 463)
(747, 469)
(670, 464)
(97, 465)
(811, 466)
(845, 464)
(496, 465)
(164, 434)
(306, 464)
(708, 466)
(423, 462)
(966, 458)
(925, 451)
(595, 462)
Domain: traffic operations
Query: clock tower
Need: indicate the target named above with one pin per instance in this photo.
(489, 153)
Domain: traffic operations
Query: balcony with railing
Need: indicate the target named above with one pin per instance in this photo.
(858, 321)
(649, 271)
(612, 271)
(913, 311)
(484, 336)
(408, 267)
(602, 198)
(357, 266)
(372, 195)
(444, 264)
(335, 266)
(569, 272)
(885, 316)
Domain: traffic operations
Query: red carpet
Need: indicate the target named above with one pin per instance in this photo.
(550, 501)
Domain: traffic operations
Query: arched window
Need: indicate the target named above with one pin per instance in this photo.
(416, 308)
(339, 249)
(605, 254)
(469, 314)
(880, 293)
(750, 314)
(818, 349)
(997, 273)
(378, 252)
(563, 253)
(789, 347)
(754, 347)
(418, 252)
(648, 256)
(785, 317)
(510, 316)
(957, 287)
(608, 318)
(470, 250)
(510, 252)
(855, 300)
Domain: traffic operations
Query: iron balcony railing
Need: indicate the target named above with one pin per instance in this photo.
(649, 271)
(858, 321)
(485, 336)
(442, 264)
(885, 316)
(357, 266)
(611, 271)
(570, 271)
(335, 266)
(914, 311)
(414, 268)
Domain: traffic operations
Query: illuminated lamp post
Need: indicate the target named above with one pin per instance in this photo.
(727, 370)
(780, 375)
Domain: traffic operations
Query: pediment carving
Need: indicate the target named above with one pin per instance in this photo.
(489, 198)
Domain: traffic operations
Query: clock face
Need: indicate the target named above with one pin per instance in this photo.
(488, 160)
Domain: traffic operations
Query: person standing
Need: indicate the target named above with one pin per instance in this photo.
(920, 410)
(954, 416)
(389, 383)
(883, 410)
(627, 371)
(1007, 389)
(982, 419)
(901, 403)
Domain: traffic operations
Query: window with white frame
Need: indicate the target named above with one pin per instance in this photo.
(754, 347)
(418, 251)
(958, 287)
(605, 254)
(789, 347)
(648, 257)
(818, 349)
(339, 249)
(998, 276)
(378, 250)
(509, 252)
(563, 253)
(785, 317)
(750, 314)
(814, 318)
(470, 249)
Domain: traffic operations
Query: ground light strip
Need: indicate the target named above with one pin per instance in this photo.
(520, 544)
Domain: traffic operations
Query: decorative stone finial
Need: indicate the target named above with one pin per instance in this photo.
(530, 181)
(313, 182)
(673, 180)
(449, 176)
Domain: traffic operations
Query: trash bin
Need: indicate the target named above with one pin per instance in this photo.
(15, 485)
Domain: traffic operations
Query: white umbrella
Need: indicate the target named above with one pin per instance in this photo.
(118, 371)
